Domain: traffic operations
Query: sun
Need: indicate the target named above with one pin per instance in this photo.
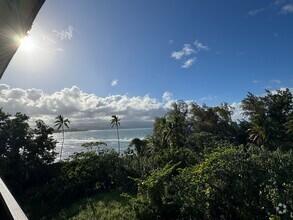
(26, 43)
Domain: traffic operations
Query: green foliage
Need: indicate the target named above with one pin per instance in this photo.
(230, 183)
(289, 124)
(184, 157)
(279, 187)
(108, 205)
(226, 184)
(171, 129)
(271, 119)
(82, 175)
(23, 151)
(214, 120)
(113, 210)
(155, 196)
(87, 173)
(139, 146)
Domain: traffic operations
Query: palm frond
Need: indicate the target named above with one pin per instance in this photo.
(66, 121)
(59, 126)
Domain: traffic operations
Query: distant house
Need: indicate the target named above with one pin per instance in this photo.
(16, 18)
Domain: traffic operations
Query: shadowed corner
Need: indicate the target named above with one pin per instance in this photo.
(16, 19)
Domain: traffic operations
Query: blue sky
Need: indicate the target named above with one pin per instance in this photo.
(208, 51)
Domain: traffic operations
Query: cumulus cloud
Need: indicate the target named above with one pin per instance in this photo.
(188, 54)
(167, 99)
(65, 34)
(90, 111)
(167, 96)
(237, 111)
(84, 110)
(34, 94)
(114, 82)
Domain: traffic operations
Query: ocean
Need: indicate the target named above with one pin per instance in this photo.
(74, 140)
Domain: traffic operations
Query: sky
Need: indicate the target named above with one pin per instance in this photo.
(90, 59)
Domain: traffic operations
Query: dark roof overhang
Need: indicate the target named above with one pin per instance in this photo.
(16, 19)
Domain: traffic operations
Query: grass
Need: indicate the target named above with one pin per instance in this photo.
(102, 206)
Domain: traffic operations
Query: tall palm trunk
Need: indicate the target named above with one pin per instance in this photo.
(60, 123)
(115, 122)
(62, 142)
(118, 140)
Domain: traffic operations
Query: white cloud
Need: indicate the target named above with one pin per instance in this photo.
(114, 82)
(200, 46)
(237, 111)
(59, 49)
(84, 110)
(34, 94)
(208, 98)
(188, 52)
(188, 63)
(256, 11)
(279, 2)
(90, 111)
(177, 55)
(167, 99)
(255, 81)
(283, 6)
(288, 8)
(167, 96)
(66, 34)
(48, 39)
(276, 81)
(50, 44)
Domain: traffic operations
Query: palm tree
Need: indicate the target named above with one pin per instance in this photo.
(167, 133)
(115, 121)
(259, 130)
(60, 123)
(289, 124)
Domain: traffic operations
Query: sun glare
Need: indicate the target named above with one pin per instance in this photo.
(26, 43)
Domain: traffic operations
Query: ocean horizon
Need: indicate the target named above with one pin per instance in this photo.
(74, 139)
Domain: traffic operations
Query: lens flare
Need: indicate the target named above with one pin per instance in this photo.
(26, 43)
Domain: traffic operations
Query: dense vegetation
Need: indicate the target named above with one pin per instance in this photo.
(197, 164)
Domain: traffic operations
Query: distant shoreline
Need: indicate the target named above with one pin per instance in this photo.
(71, 130)
(78, 130)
